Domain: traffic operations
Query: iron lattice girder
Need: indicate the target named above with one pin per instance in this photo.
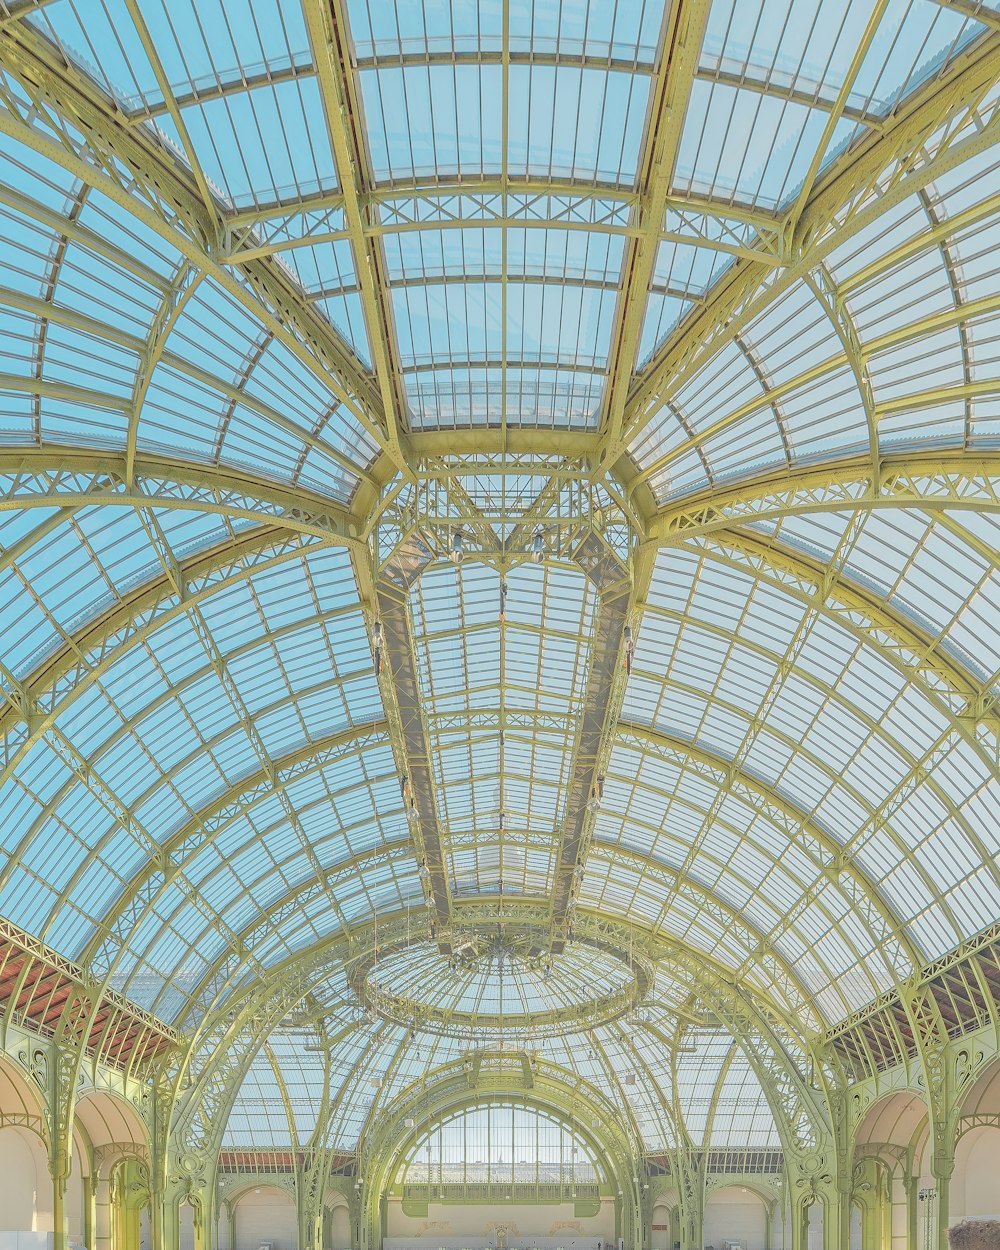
(178, 852)
(603, 694)
(38, 982)
(964, 983)
(388, 592)
(137, 172)
(824, 850)
(512, 202)
(933, 482)
(874, 174)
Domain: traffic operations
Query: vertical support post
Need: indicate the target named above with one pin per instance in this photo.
(101, 1239)
(769, 1211)
(89, 1187)
(60, 1217)
(690, 1171)
(800, 1221)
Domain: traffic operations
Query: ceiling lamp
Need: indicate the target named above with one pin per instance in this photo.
(457, 547)
(377, 642)
(537, 554)
(409, 802)
(596, 794)
(629, 649)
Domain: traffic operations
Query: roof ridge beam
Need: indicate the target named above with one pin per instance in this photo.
(327, 27)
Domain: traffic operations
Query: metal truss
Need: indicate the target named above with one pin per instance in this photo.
(512, 202)
(386, 592)
(34, 984)
(954, 481)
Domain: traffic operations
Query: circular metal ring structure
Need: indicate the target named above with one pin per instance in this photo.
(500, 982)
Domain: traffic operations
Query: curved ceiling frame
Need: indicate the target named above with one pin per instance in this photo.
(903, 135)
(807, 225)
(120, 614)
(788, 996)
(859, 186)
(769, 1056)
(381, 1154)
(382, 1105)
(448, 1082)
(134, 160)
(166, 588)
(917, 765)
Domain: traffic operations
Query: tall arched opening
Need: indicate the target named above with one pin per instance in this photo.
(25, 1182)
(974, 1188)
(500, 1171)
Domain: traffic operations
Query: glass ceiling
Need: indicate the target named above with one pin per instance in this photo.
(729, 316)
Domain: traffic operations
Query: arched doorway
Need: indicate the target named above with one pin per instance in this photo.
(661, 1237)
(974, 1189)
(338, 1235)
(500, 1171)
(25, 1182)
(265, 1215)
(117, 1155)
(892, 1168)
(735, 1213)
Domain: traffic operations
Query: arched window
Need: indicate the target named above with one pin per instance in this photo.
(503, 1144)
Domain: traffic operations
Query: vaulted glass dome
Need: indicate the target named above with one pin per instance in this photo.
(498, 550)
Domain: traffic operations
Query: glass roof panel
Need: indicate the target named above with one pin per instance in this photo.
(526, 672)
(742, 146)
(810, 48)
(742, 1117)
(623, 31)
(261, 145)
(200, 43)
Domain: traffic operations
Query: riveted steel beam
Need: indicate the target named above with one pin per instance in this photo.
(73, 477)
(620, 588)
(936, 481)
(385, 594)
